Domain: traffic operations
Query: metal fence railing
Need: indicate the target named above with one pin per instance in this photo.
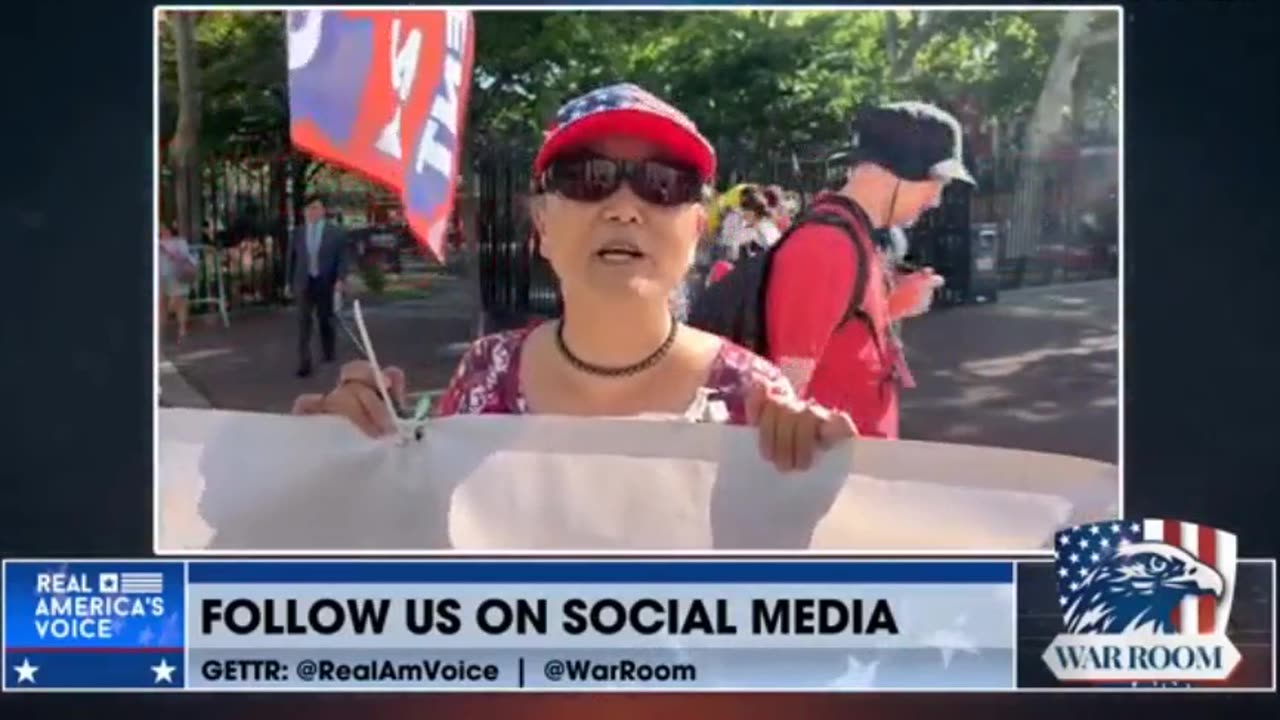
(249, 207)
(1053, 221)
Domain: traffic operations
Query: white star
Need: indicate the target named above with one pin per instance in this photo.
(1083, 543)
(1115, 528)
(1093, 530)
(1063, 539)
(1084, 571)
(1124, 542)
(1104, 543)
(1062, 601)
(1062, 572)
(1135, 527)
(1075, 587)
(163, 671)
(1095, 557)
(857, 675)
(1075, 558)
(950, 641)
(26, 671)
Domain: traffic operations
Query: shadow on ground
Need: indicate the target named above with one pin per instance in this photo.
(1038, 371)
(250, 365)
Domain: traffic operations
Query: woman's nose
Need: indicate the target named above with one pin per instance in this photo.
(622, 206)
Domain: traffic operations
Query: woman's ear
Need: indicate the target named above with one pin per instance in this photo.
(538, 214)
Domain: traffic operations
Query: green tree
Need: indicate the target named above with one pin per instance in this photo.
(760, 83)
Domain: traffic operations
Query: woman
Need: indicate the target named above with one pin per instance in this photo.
(759, 232)
(617, 202)
(775, 201)
(177, 271)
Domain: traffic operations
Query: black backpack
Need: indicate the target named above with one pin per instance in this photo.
(734, 307)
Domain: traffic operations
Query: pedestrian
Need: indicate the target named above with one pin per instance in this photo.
(759, 232)
(733, 231)
(178, 271)
(317, 268)
(775, 200)
(829, 294)
(619, 187)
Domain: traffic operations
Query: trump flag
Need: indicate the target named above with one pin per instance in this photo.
(384, 93)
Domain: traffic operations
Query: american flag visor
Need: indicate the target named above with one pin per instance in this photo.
(631, 111)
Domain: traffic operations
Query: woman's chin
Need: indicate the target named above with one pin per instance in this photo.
(634, 285)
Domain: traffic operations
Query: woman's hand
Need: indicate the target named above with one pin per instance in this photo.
(357, 399)
(791, 428)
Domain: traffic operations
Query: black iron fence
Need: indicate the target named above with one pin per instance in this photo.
(516, 282)
(249, 207)
(1023, 225)
(1006, 234)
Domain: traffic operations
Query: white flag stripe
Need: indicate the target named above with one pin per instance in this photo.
(1153, 530)
(1191, 603)
(139, 583)
(1226, 562)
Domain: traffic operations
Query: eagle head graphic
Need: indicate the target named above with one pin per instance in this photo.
(1136, 588)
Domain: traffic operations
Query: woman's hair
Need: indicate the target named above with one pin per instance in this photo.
(771, 198)
(751, 201)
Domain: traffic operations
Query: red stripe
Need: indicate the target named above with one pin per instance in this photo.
(1173, 536)
(1208, 604)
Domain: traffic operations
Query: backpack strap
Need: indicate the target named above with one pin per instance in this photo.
(819, 215)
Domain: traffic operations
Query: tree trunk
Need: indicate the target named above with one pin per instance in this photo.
(905, 54)
(1042, 131)
(891, 37)
(185, 148)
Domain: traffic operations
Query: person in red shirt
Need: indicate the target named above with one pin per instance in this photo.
(903, 156)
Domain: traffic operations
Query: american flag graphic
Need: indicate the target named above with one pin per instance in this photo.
(1081, 552)
(141, 583)
(1135, 576)
(623, 96)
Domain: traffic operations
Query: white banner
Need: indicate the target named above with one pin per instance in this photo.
(245, 481)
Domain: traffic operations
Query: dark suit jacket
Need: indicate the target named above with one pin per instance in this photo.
(332, 257)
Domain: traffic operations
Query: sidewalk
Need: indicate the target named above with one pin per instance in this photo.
(250, 366)
(1036, 370)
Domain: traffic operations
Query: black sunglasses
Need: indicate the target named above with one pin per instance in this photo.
(590, 178)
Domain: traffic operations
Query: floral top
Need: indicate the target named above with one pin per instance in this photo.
(487, 380)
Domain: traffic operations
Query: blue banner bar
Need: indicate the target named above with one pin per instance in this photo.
(94, 670)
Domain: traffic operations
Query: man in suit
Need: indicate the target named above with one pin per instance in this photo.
(317, 266)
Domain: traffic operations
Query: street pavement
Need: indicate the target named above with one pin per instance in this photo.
(1037, 370)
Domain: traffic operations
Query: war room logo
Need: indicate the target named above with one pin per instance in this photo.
(1144, 601)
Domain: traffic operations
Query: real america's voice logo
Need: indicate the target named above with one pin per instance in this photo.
(1144, 602)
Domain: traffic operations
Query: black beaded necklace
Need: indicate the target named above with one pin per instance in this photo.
(623, 371)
